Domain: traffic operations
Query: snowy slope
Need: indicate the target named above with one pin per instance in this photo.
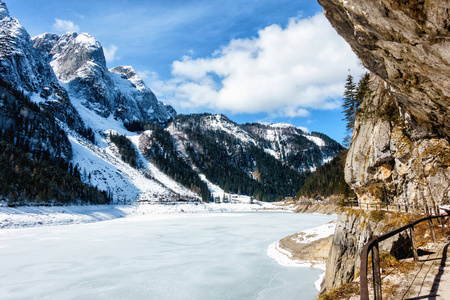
(220, 122)
(109, 173)
(280, 133)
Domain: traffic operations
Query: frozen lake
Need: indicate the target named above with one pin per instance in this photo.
(196, 256)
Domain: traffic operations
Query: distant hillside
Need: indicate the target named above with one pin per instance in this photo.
(327, 180)
(263, 161)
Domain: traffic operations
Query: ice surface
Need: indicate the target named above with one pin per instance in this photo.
(206, 256)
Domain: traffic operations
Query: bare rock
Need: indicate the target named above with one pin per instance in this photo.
(406, 44)
(400, 149)
(313, 252)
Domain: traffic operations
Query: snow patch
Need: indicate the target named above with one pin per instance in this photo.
(272, 152)
(86, 39)
(282, 125)
(314, 234)
(318, 141)
(284, 258)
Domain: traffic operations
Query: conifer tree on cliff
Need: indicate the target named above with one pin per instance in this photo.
(353, 97)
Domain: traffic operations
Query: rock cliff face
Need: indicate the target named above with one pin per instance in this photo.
(400, 151)
(400, 147)
(20, 63)
(353, 230)
(79, 62)
(27, 69)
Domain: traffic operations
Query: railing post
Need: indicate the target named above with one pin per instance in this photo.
(363, 283)
(413, 243)
(376, 270)
(442, 221)
(443, 225)
(433, 236)
(448, 221)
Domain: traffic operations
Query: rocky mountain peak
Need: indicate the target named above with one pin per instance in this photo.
(3, 10)
(45, 42)
(21, 64)
(77, 55)
(79, 61)
(131, 75)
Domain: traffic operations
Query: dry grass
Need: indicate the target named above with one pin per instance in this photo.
(345, 291)
(387, 260)
(396, 220)
(377, 215)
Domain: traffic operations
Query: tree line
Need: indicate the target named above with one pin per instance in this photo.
(353, 97)
(327, 180)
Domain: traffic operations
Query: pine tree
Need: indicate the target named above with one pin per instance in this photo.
(349, 107)
(353, 97)
(362, 90)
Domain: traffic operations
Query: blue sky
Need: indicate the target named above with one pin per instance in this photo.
(252, 60)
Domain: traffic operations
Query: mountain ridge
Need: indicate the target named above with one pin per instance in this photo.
(168, 157)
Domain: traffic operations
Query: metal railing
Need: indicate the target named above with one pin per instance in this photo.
(373, 246)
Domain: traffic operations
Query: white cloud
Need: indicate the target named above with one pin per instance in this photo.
(282, 72)
(65, 26)
(110, 53)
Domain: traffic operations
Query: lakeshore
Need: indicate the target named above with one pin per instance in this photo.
(309, 248)
(36, 216)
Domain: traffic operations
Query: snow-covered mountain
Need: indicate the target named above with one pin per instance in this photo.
(57, 95)
(20, 63)
(67, 77)
(27, 69)
(266, 161)
(79, 63)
